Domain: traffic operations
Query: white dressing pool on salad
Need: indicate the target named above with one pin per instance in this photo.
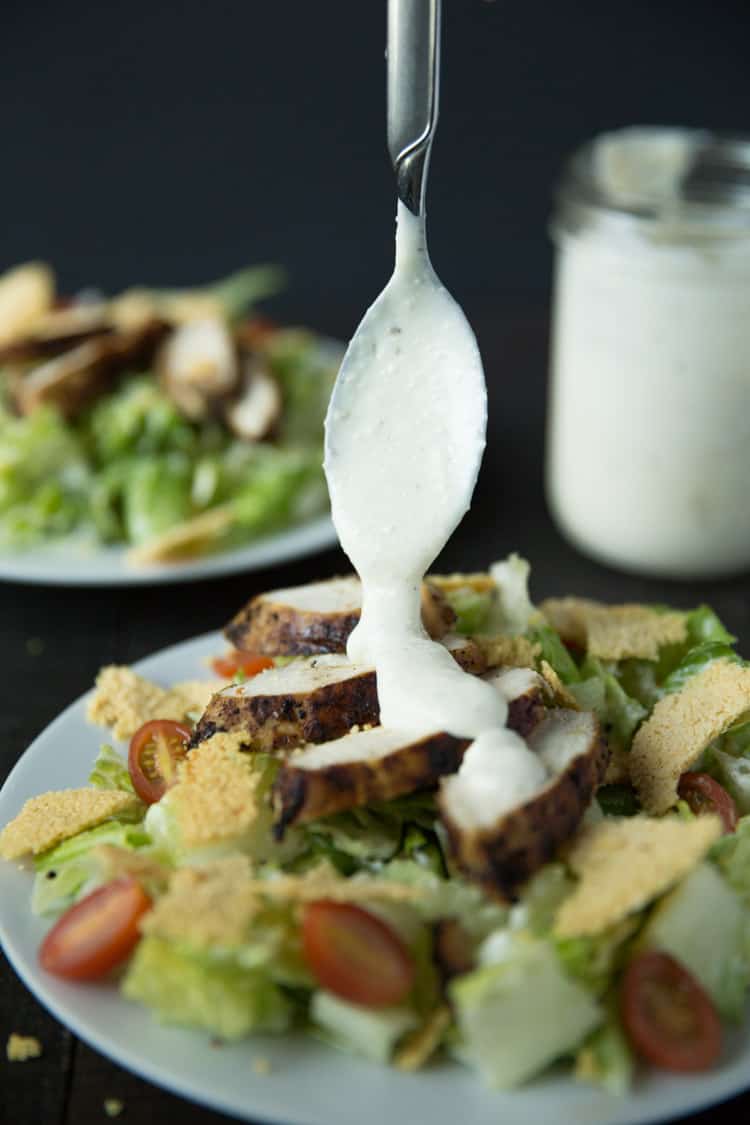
(405, 434)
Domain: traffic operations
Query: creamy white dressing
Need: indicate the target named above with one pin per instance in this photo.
(498, 772)
(405, 434)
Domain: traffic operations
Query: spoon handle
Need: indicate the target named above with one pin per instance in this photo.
(413, 82)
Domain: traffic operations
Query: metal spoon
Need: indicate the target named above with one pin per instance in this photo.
(414, 341)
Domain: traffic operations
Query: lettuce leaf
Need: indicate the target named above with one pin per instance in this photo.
(555, 653)
(472, 609)
(599, 690)
(696, 660)
(594, 961)
(732, 856)
(110, 771)
(605, 1059)
(223, 999)
(69, 871)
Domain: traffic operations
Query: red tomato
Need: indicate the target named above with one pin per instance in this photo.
(246, 662)
(704, 795)
(96, 934)
(355, 955)
(669, 1019)
(156, 749)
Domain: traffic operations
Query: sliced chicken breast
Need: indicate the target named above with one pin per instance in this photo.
(314, 700)
(364, 766)
(306, 701)
(71, 380)
(318, 618)
(526, 694)
(503, 851)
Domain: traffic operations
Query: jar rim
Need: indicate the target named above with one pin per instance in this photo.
(687, 184)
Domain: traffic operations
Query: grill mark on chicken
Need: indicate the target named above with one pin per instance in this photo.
(503, 856)
(276, 627)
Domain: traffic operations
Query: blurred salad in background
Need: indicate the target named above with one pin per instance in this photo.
(176, 422)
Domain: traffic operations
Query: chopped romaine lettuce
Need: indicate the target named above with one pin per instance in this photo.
(306, 376)
(372, 1032)
(377, 832)
(732, 855)
(448, 898)
(70, 870)
(156, 495)
(594, 961)
(43, 477)
(600, 691)
(111, 771)
(472, 609)
(555, 653)
(221, 998)
(695, 661)
(605, 1059)
(704, 626)
(503, 1013)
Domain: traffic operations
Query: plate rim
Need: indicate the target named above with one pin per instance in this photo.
(628, 1110)
(285, 545)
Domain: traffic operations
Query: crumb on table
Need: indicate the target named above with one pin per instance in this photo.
(113, 1107)
(19, 1048)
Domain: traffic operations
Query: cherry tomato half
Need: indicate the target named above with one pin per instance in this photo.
(96, 934)
(704, 795)
(354, 954)
(669, 1019)
(156, 749)
(246, 662)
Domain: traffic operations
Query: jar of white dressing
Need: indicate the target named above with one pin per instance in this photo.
(648, 443)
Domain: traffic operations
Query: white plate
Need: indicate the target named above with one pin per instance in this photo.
(75, 564)
(309, 1084)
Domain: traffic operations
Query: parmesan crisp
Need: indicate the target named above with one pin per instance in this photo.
(623, 864)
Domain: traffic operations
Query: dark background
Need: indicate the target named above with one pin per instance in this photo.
(170, 144)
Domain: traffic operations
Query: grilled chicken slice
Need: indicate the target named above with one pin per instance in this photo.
(256, 412)
(317, 618)
(307, 701)
(503, 850)
(69, 381)
(371, 765)
(57, 331)
(526, 694)
(198, 366)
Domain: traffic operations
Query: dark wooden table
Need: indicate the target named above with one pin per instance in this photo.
(55, 640)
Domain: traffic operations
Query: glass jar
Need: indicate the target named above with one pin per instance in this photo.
(648, 442)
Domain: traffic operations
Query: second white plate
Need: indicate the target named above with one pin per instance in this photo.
(72, 564)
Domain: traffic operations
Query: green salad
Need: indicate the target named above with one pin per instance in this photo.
(172, 422)
(258, 854)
